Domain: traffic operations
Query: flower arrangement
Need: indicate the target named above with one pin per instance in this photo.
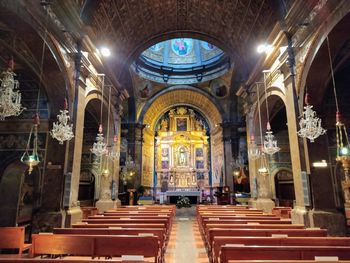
(183, 201)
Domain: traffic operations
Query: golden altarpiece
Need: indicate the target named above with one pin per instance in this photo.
(182, 151)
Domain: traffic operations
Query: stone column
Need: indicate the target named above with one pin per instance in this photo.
(75, 146)
(110, 173)
(296, 144)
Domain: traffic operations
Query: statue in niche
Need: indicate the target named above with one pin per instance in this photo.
(164, 125)
(198, 126)
(182, 157)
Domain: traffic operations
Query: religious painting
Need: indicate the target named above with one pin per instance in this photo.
(182, 46)
(157, 47)
(207, 45)
(199, 152)
(200, 175)
(144, 89)
(165, 164)
(181, 124)
(199, 164)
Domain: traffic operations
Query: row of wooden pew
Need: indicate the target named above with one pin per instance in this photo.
(119, 233)
(241, 234)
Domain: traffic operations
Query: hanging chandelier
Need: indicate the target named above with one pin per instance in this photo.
(310, 124)
(99, 147)
(62, 131)
(253, 149)
(32, 159)
(270, 144)
(10, 97)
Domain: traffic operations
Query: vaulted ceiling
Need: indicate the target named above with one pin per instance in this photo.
(130, 26)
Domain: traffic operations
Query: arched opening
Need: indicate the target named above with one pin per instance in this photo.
(181, 127)
(284, 187)
(326, 180)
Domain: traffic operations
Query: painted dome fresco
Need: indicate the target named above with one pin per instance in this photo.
(182, 61)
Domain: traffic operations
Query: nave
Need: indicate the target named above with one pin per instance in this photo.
(201, 234)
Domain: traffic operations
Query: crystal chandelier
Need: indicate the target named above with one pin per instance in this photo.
(253, 149)
(270, 145)
(32, 159)
(10, 97)
(310, 124)
(62, 131)
(99, 147)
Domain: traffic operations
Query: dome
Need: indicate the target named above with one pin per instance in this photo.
(181, 61)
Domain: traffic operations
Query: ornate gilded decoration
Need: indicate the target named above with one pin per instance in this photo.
(181, 150)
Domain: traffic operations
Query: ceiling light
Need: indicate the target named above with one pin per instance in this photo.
(264, 48)
(106, 52)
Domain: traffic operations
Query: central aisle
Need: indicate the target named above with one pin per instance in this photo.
(185, 243)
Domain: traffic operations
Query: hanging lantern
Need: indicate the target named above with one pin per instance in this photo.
(99, 147)
(62, 131)
(343, 145)
(310, 124)
(10, 97)
(32, 159)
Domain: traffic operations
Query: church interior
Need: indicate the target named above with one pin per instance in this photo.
(174, 131)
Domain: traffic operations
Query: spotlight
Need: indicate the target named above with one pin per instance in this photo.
(105, 51)
(264, 48)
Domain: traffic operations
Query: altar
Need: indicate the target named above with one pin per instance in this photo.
(174, 195)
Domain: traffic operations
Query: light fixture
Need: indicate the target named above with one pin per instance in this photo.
(343, 145)
(62, 130)
(106, 52)
(264, 48)
(99, 147)
(310, 124)
(10, 97)
(270, 144)
(320, 164)
(32, 159)
(253, 149)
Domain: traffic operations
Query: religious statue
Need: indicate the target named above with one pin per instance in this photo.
(164, 125)
(198, 125)
(182, 157)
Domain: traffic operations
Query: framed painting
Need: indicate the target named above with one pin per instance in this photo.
(199, 152)
(200, 164)
(165, 165)
(181, 124)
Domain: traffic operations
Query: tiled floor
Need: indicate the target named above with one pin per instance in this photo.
(185, 244)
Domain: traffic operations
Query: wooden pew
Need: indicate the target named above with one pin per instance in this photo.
(220, 241)
(159, 232)
(239, 252)
(138, 225)
(13, 238)
(215, 232)
(96, 245)
(64, 260)
(288, 261)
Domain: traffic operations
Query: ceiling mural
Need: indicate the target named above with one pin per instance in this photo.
(182, 61)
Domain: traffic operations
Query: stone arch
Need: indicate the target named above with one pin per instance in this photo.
(312, 50)
(184, 96)
(179, 97)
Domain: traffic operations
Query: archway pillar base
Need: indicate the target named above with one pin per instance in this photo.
(73, 215)
(104, 205)
(265, 204)
(333, 221)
